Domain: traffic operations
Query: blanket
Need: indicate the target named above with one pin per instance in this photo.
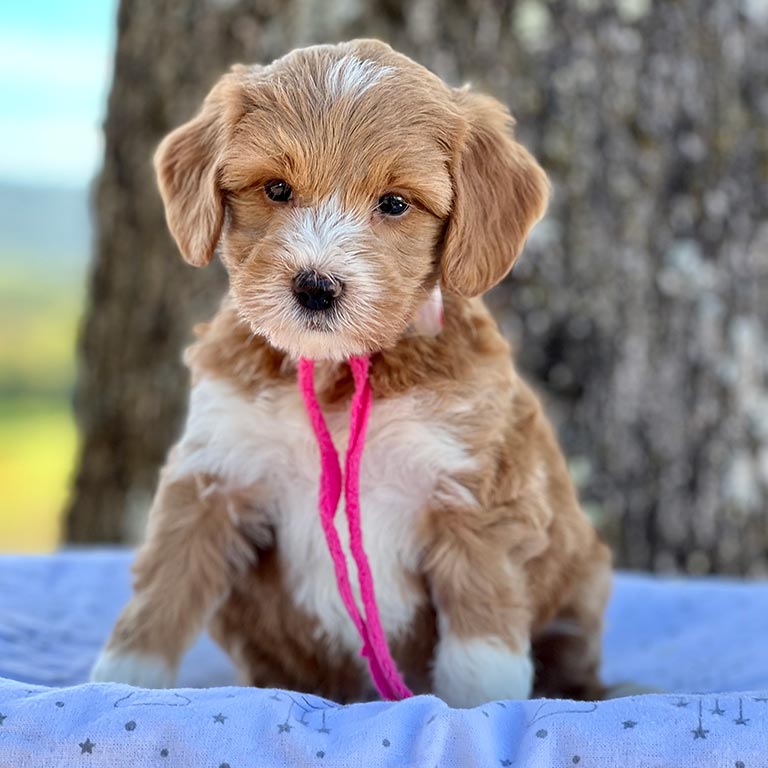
(703, 641)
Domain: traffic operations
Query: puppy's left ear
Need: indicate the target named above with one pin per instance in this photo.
(500, 192)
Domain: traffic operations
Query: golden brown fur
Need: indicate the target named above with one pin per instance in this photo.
(511, 556)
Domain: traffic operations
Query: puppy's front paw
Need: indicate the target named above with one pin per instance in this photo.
(141, 670)
(471, 672)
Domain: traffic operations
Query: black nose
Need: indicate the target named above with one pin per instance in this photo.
(315, 291)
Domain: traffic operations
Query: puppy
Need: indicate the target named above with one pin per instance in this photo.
(341, 187)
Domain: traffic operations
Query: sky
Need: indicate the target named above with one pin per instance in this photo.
(55, 70)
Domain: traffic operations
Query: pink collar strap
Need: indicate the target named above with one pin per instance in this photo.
(382, 666)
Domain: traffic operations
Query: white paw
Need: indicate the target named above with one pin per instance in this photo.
(141, 670)
(471, 672)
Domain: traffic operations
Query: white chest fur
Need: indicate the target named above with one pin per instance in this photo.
(266, 443)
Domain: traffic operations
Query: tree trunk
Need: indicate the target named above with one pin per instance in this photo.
(639, 307)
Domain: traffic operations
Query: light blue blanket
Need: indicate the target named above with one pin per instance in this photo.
(704, 641)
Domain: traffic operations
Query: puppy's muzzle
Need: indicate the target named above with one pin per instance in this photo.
(317, 292)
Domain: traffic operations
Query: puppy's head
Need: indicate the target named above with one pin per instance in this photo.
(340, 184)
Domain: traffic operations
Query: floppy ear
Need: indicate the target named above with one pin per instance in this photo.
(500, 192)
(187, 164)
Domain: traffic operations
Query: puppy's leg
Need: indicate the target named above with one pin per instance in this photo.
(483, 650)
(568, 651)
(193, 550)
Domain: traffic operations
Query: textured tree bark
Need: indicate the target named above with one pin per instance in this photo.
(639, 307)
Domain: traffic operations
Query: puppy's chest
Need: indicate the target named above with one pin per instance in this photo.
(266, 443)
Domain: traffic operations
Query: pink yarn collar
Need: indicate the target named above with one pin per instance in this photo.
(380, 662)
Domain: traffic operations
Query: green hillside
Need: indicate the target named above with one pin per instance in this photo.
(39, 314)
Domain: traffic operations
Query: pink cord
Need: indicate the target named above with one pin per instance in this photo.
(380, 662)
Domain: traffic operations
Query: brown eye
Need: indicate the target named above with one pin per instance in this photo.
(392, 205)
(278, 190)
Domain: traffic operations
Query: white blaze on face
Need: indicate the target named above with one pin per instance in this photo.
(350, 76)
(333, 241)
(327, 239)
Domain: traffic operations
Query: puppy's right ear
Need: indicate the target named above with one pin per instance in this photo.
(188, 166)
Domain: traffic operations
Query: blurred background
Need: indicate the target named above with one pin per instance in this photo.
(638, 309)
(55, 70)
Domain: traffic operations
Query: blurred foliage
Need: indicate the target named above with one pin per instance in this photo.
(39, 311)
(38, 324)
